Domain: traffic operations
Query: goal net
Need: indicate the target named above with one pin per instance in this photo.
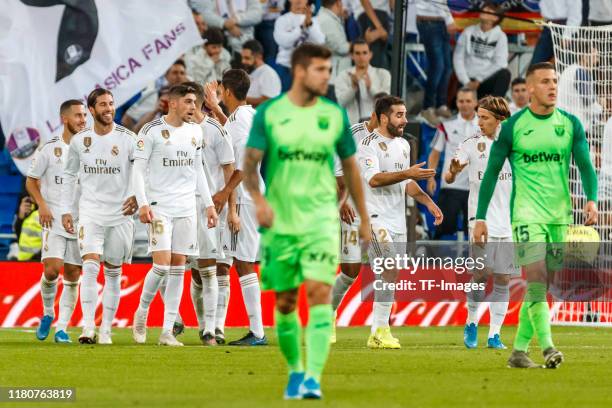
(583, 59)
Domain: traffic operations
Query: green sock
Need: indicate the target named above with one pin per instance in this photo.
(318, 332)
(539, 313)
(524, 333)
(289, 333)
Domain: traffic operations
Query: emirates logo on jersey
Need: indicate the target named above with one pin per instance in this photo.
(115, 150)
(481, 147)
(383, 146)
(87, 143)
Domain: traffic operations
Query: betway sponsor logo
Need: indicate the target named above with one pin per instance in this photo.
(301, 155)
(542, 157)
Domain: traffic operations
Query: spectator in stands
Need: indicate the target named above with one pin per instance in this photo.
(519, 94)
(600, 12)
(565, 12)
(160, 109)
(28, 230)
(265, 82)
(264, 31)
(481, 55)
(291, 30)
(435, 24)
(356, 86)
(237, 17)
(374, 20)
(212, 60)
(175, 75)
(453, 198)
(332, 25)
(199, 21)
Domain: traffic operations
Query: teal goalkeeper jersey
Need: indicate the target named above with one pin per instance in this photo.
(300, 144)
(539, 149)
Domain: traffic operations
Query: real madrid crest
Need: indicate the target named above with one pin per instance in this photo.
(140, 144)
(58, 153)
(193, 141)
(405, 154)
(383, 146)
(87, 143)
(166, 135)
(115, 150)
(481, 146)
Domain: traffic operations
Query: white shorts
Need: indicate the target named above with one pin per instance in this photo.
(386, 244)
(178, 235)
(55, 245)
(498, 254)
(208, 241)
(243, 245)
(350, 249)
(113, 244)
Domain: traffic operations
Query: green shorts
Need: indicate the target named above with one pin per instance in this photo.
(537, 242)
(288, 260)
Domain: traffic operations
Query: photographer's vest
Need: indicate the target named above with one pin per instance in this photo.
(30, 239)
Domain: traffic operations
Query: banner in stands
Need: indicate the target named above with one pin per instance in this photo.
(518, 13)
(21, 305)
(59, 50)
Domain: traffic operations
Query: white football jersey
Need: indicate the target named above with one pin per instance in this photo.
(359, 132)
(171, 153)
(48, 167)
(217, 151)
(476, 151)
(238, 126)
(386, 205)
(103, 164)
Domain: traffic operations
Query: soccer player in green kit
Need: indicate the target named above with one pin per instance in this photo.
(299, 133)
(539, 142)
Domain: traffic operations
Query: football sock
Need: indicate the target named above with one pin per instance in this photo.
(198, 302)
(381, 314)
(539, 313)
(110, 296)
(174, 293)
(288, 331)
(341, 285)
(48, 291)
(222, 301)
(210, 286)
(498, 306)
(151, 284)
(252, 302)
(89, 292)
(318, 332)
(474, 298)
(67, 302)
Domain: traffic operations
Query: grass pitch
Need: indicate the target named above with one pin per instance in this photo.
(432, 369)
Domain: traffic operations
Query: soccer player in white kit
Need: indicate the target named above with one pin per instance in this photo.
(60, 248)
(499, 251)
(384, 161)
(243, 245)
(101, 158)
(170, 148)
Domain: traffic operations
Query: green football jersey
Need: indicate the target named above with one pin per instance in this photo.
(300, 144)
(539, 149)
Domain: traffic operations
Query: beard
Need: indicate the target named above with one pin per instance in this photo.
(394, 130)
(74, 129)
(100, 118)
(248, 68)
(316, 92)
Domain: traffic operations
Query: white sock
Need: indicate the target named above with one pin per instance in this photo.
(67, 302)
(48, 291)
(473, 302)
(174, 293)
(252, 302)
(162, 293)
(110, 296)
(382, 313)
(341, 285)
(89, 292)
(222, 301)
(210, 286)
(198, 302)
(498, 306)
(151, 284)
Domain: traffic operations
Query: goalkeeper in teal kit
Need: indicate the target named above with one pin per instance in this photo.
(539, 142)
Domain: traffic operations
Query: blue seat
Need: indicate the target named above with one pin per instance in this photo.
(11, 184)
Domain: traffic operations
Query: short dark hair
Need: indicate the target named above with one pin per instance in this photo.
(237, 81)
(465, 89)
(178, 91)
(179, 61)
(378, 96)
(92, 98)
(68, 104)
(303, 54)
(198, 90)
(537, 67)
(254, 46)
(358, 41)
(384, 105)
(496, 9)
(517, 81)
(328, 3)
(213, 36)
